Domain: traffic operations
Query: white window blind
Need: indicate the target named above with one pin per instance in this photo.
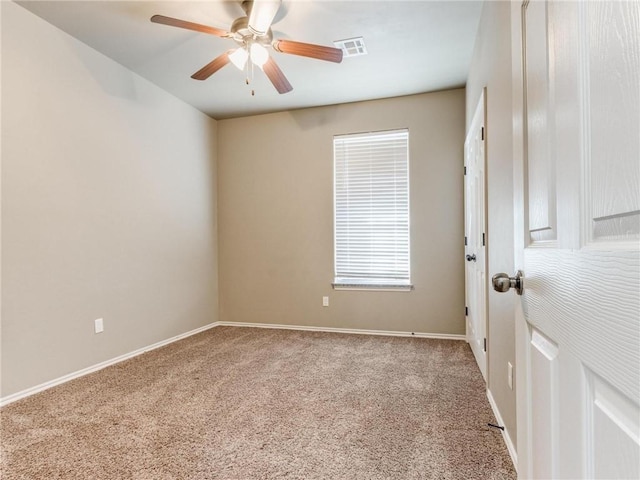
(371, 201)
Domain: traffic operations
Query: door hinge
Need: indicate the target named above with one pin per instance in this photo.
(466, 311)
(483, 239)
(465, 241)
(465, 170)
(485, 345)
(482, 133)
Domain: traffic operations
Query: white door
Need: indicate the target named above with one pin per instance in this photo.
(577, 183)
(475, 259)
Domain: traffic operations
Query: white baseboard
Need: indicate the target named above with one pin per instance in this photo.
(358, 331)
(505, 433)
(99, 366)
(94, 368)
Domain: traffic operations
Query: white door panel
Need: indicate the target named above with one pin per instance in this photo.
(540, 161)
(543, 355)
(578, 203)
(613, 421)
(475, 268)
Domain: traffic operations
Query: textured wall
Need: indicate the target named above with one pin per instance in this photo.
(108, 207)
(275, 198)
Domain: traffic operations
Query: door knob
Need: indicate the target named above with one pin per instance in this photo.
(471, 258)
(503, 282)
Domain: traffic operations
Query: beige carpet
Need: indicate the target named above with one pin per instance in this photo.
(243, 403)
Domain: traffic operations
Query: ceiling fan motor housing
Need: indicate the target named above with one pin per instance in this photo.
(242, 34)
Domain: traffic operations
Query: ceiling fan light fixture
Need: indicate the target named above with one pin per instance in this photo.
(259, 54)
(239, 58)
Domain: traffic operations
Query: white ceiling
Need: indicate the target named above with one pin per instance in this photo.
(414, 47)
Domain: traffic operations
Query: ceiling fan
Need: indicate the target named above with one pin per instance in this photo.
(253, 35)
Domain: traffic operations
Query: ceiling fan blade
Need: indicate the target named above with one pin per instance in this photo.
(262, 14)
(330, 54)
(174, 22)
(211, 67)
(272, 70)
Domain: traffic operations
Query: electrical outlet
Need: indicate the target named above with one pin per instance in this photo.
(510, 375)
(325, 301)
(98, 325)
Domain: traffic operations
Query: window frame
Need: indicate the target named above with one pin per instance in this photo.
(381, 283)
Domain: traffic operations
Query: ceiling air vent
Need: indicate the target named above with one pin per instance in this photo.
(351, 47)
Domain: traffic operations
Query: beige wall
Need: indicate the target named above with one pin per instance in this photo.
(275, 206)
(491, 67)
(108, 207)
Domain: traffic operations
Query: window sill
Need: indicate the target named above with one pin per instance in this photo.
(380, 287)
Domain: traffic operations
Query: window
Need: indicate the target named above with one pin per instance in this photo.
(371, 201)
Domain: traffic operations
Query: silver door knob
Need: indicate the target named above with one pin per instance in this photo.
(471, 258)
(503, 282)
